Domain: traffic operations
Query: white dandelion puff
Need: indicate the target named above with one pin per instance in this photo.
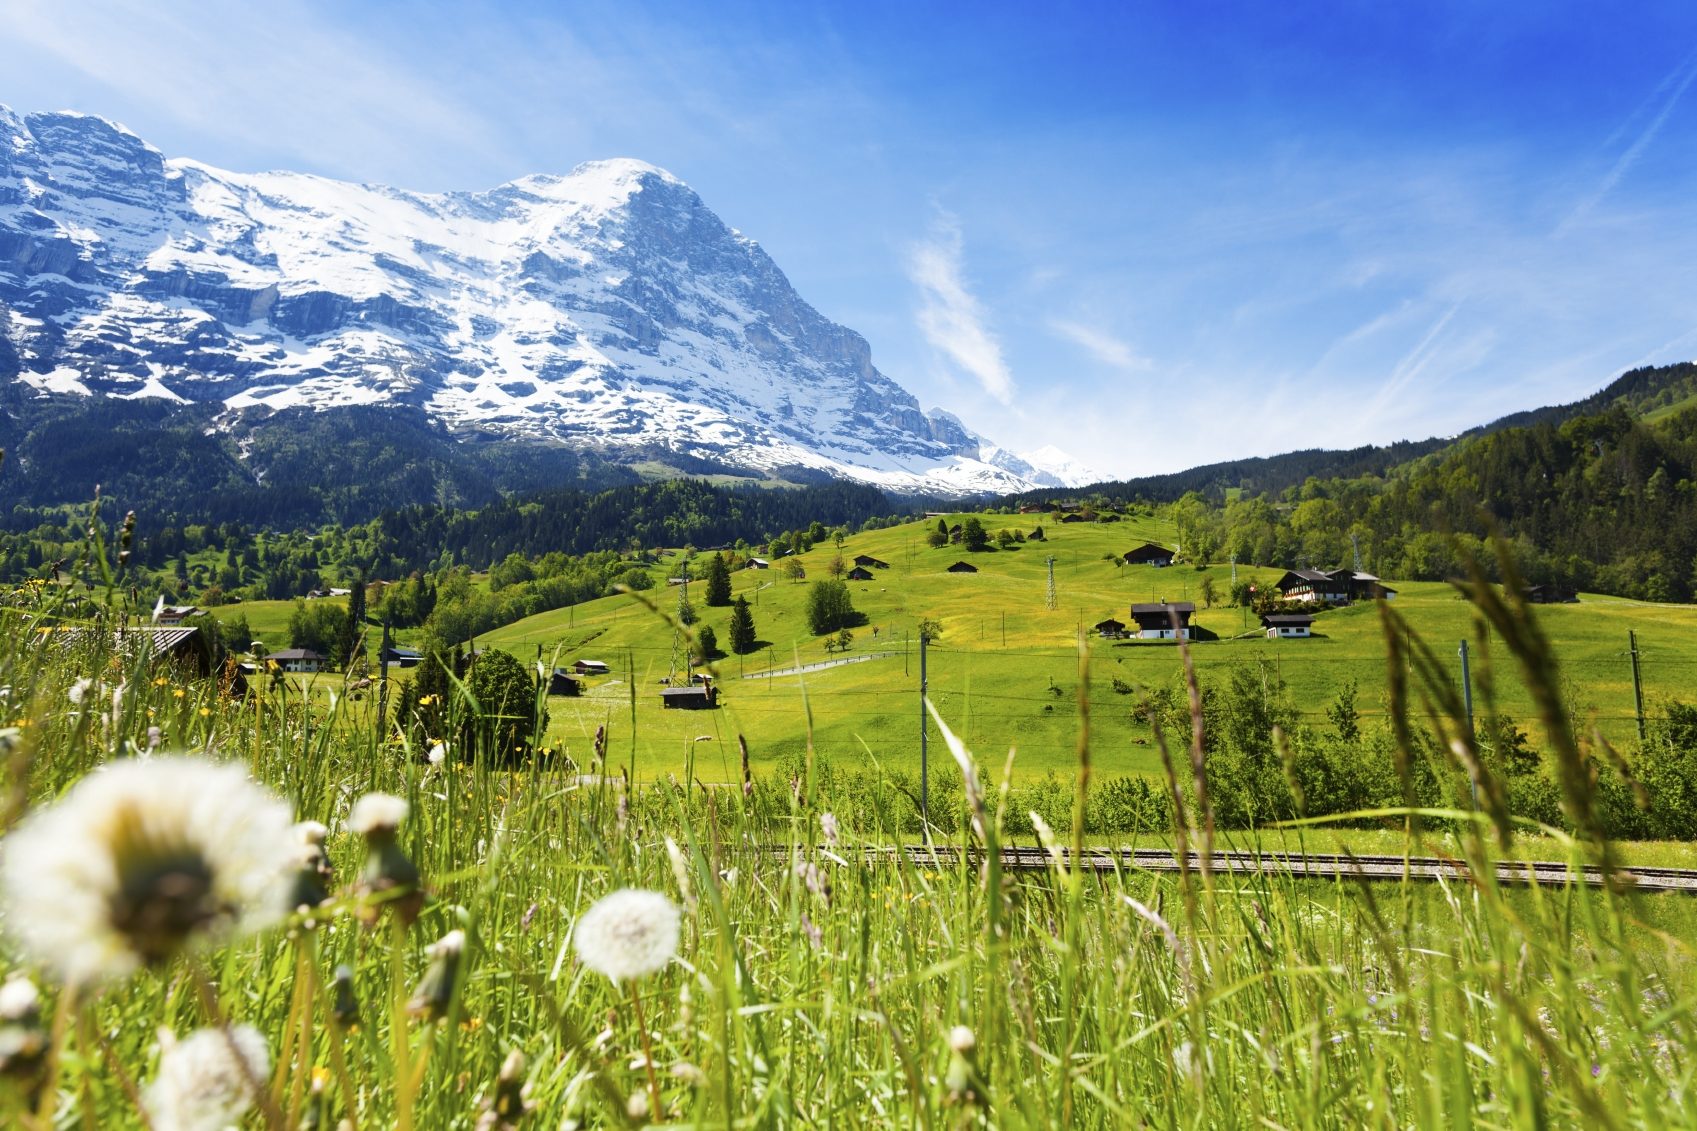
(377, 811)
(628, 934)
(78, 691)
(19, 999)
(143, 859)
(437, 754)
(207, 1080)
(962, 1040)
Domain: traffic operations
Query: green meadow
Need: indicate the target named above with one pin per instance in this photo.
(1007, 667)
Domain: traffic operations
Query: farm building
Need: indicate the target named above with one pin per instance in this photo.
(867, 561)
(1110, 629)
(859, 573)
(1037, 508)
(963, 567)
(758, 563)
(562, 683)
(180, 644)
(1073, 516)
(692, 698)
(1551, 594)
(1335, 587)
(591, 667)
(170, 616)
(1149, 554)
(1155, 622)
(298, 659)
(1287, 624)
(403, 657)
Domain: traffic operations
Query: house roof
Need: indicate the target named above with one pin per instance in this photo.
(295, 654)
(963, 567)
(593, 663)
(1294, 620)
(1168, 607)
(698, 691)
(1109, 623)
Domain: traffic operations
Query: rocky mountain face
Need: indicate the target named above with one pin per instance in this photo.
(607, 311)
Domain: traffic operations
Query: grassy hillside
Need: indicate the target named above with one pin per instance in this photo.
(1007, 667)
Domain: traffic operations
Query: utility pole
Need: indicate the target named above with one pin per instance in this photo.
(1637, 684)
(924, 759)
(1052, 603)
(1467, 699)
(1467, 688)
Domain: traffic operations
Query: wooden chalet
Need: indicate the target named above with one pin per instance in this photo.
(1288, 625)
(867, 561)
(758, 563)
(1037, 508)
(1551, 594)
(1149, 554)
(1332, 587)
(1110, 629)
(1156, 621)
(695, 697)
(591, 667)
(170, 616)
(963, 567)
(560, 682)
(859, 573)
(1073, 516)
(402, 657)
(298, 659)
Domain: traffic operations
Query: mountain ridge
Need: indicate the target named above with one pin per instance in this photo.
(606, 311)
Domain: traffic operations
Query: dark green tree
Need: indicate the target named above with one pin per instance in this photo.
(973, 535)
(829, 607)
(351, 643)
(320, 626)
(718, 582)
(509, 711)
(743, 637)
(706, 644)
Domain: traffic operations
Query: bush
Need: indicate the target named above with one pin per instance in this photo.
(829, 607)
(508, 710)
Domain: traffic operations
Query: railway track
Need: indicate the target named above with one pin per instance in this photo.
(1311, 865)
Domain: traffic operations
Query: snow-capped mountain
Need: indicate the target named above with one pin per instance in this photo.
(608, 309)
(1048, 466)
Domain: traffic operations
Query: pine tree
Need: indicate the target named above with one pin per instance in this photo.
(743, 637)
(356, 618)
(718, 582)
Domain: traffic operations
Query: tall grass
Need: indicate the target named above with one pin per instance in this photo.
(818, 985)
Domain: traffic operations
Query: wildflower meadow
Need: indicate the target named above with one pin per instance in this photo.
(229, 907)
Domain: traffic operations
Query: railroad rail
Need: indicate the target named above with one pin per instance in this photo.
(1325, 866)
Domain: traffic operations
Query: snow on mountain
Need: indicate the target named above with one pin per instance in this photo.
(607, 309)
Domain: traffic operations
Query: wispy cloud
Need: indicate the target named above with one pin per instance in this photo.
(951, 317)
(1672, 88)
(1103, 346)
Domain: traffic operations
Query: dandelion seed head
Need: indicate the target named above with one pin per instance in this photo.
(312, 832)
(962, 1040)
(142, 859)
(202, 1085)
(378, 812)
(19, 999)
(628, 934)
(437, 754)
(78, 691)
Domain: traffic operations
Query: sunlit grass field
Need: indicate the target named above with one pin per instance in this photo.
(811, 987)
(1006, 668)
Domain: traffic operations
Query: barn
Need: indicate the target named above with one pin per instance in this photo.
(1155, 621)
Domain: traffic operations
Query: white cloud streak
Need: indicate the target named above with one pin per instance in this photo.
(1676, 84)
(951, 317)
(1103, 346)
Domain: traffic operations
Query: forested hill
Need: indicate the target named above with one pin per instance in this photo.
(674, 512)
(1651, 392)
(1603, 503)
(1268, 475)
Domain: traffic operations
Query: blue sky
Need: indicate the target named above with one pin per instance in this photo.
(1153, 235)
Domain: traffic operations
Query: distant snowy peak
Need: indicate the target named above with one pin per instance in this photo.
(1046, 467)
(605, 309)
